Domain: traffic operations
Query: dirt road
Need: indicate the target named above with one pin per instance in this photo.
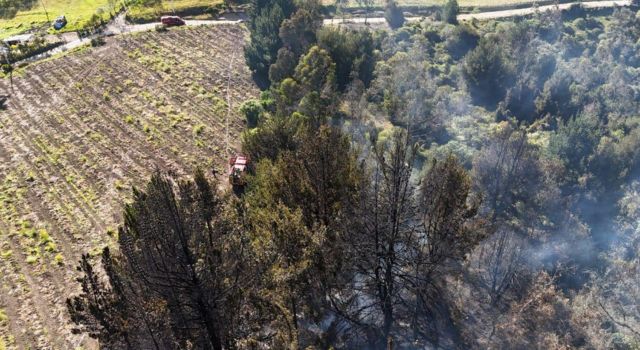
(120, 26)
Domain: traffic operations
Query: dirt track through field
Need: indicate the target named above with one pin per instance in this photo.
(78, 132)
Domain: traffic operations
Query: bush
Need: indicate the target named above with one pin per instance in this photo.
(161, 28)
(7, 69)
(267, 101)
(252, 110)
(461, 40)
(97, 41)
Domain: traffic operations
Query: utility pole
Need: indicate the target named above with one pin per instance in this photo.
(45, 11)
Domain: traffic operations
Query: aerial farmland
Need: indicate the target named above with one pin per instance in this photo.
(79, 131)
(319, 175)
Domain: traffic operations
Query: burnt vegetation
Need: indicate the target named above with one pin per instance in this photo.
(441, 185)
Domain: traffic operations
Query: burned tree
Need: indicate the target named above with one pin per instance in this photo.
(179, 257)
(406, 237)
(521, 197)
(114, 314)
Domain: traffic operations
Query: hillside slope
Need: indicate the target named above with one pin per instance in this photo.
(77, 132)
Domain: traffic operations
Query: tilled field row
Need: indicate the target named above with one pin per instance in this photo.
(77, 133)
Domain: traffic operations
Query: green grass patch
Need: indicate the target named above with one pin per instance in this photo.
(59, 259)
(3, 316)
(119, 185)
(6, 254)
(3, 343)
(77, 12)
(198, 129)
(44, 236)
(32, 258)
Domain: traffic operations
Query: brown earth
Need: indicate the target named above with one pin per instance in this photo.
(78, 132)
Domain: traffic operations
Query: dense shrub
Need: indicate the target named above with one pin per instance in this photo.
(252, 110)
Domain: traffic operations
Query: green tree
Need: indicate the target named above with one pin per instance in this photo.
(353, 53)
(273, 136)
(286, 250)
(556, 98)
(316, 71)
(9, 8)
(252, 111)
(298, 33)
(266, 17)
(450, 12)
(312, 90)
(298, 202)
(487, 71)
(574, 142)
(283, 67)
(393, 14)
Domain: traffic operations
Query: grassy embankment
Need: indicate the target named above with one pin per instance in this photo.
(79, 12)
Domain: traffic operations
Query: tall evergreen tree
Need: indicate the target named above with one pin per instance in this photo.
(393, 14)
(266, 17)
(450, 12)
(179, 263)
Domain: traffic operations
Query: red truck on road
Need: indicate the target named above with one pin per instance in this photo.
(171, 21)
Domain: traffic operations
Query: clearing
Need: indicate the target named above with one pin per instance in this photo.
(78, 132)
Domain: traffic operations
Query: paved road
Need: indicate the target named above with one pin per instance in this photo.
(487, 15)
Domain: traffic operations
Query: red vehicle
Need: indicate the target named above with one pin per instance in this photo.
(238, 168)
(171, 21)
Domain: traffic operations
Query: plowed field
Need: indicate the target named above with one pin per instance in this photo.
(78, 132)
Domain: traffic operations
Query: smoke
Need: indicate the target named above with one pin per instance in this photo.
(585, 208)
